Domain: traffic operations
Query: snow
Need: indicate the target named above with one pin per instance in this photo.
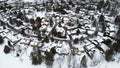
(28, 0)
(24, 61)
(40, 14)
(14, 62)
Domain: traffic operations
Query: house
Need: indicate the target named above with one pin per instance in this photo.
(16, 3)
(2, 2)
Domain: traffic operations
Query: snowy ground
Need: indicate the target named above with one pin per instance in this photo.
(9, 61)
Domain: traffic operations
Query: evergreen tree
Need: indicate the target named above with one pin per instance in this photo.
(79, 25)
(101, 18)
(102, 22)
(46, 39)
(76, 41)
(109, 55)
(10, 20)
(62, 20)
(51, 22)
(108, 42)
(83, 63)
(52, 39)
(113, 12)
(118, 34)
(54, 32)
(19, 23)
(1, 40)
(77, 10)
(94, 23)
(39, 36)
(7, 49)
(71, 3)
(59, 34)
(23, 32)
(32, 21)
(117, 20)
(36, 56)
(53, 50)
(9, 44)
(38, 21)
(103, 27)
(100, 5)
(78, 32)
(59, 24)
(49, 58)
